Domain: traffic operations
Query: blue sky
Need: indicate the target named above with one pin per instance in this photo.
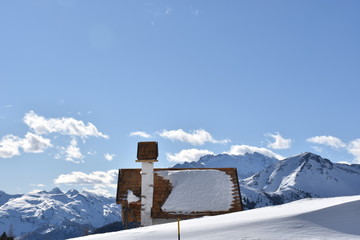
(83, 81)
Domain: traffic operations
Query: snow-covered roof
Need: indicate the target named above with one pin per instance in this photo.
(198, 191)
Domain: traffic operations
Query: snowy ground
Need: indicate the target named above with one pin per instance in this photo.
(327, 218)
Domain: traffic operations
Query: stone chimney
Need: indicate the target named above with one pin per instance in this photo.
(147, 154)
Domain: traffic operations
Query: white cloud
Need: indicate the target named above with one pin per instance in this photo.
(35, 143)
(196, 137)
(140, 134)
(354, 149)
(327, 140)
(37, 185)
(10, 145)
(243, 149)
(279, 141)
(64, 126)
(188, 155)
(98, 179)
(73, 153)
(109, 157)
(99, 191)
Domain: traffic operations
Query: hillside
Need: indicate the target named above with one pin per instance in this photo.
(327, 218)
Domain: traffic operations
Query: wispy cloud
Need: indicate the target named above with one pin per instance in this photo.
(99, 191)
(37, 185)
(31, 143)
(352, 148)
(279, 141)
(4, 115)
(196, 137)
(73, 153)
(99, 180)
(140, 134)
(318, 149)
(109, 157)
(194, 11)
(168, 10)
(65, 126)
(327, 140)
(91, 153)
(243, 149)
(187, 155)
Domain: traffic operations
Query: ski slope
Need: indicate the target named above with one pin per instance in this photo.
(324, 218)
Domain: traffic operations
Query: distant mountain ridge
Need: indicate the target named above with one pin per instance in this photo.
(247, 164)
(54, 214)
(267, 181)
(4, 197)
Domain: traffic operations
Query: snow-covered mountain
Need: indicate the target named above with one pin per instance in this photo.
(54, 214)
(323, 218)
(246, 165)
(267, 181)
(302, 176)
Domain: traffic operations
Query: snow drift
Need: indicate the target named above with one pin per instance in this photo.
(326, 218)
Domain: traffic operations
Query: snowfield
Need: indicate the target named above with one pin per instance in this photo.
(324, 218)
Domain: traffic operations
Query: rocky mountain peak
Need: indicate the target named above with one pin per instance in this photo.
(56, 190)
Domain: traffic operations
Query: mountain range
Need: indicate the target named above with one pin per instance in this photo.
(247, 164)
(264, 181)
(54, 214)
(306, 175)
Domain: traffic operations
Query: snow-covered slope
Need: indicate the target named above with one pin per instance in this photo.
(301, 176)
(328, 218)
(44, 212)
(247, 164)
